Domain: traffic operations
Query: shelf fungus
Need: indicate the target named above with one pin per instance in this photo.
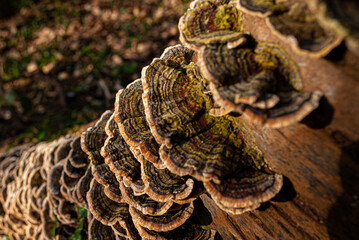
(208, 22)
(258, 81)
(340, 17)
(173, 96)
(105, 210)
(130, 117)
(119, 158)
(292, 21)
(184, 232)
(163, 186)
(166, 222)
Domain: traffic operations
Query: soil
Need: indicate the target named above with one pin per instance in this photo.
(62, 62)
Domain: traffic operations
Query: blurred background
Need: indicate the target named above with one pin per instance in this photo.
(62, 62)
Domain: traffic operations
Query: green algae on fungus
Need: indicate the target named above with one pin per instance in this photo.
(174, 96)
(208, 22)
(259, 81)
(131, 120)
(222, 146)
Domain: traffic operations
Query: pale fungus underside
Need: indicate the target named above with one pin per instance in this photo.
(170, 138)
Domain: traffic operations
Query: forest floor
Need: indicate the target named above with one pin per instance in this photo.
(62, 62)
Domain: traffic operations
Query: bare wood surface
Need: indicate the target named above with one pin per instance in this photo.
(318, 157)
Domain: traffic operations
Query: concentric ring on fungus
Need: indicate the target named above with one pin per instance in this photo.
(247, 188)
(208, 22)
(130, 117)
(120, 159)
(173, 97)
(259, 81)
(162, 185)
(92, 140)
(105, 210)
(144, 203)
(97, 230)
(163, 223)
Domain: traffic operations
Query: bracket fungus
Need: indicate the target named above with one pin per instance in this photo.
(208, 22)
(139, 170)
(130, 117)
(260, 82)
(340, 17)
(173, 95)
(292, 21)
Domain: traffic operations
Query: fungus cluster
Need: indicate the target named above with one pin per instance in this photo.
(257, 80)
(293, 21)
(173, 135)
(340, 17)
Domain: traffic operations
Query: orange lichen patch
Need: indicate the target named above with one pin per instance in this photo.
(105, 210)
(292, 21)
(166, 222)
(144, 203)
(259, 81)
(130, 117)
(162, 185)
(92, 140)
(173, 97)
(208, 22)
(246, 188)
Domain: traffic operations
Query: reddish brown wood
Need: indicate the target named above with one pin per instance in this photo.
(319, 159)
